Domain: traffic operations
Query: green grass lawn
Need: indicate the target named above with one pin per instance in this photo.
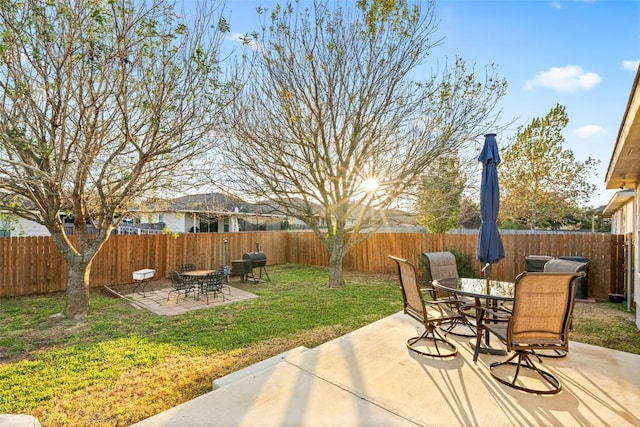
(124, 364)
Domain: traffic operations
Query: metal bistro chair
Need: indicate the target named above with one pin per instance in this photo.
(430, 315)
(539, 320)
(187, 267)
(180, 284)
(213, 282)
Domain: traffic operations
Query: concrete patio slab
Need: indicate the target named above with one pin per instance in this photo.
(256, 368)
(369, 378)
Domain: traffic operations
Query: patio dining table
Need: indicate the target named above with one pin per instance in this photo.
(488, 293)
(198, 273)
(199, 276)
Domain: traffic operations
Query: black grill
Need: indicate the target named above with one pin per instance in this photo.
(258, 259)
(250, 261)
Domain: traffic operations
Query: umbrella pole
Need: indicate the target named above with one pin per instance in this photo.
(486, 271)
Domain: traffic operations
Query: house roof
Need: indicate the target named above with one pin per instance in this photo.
(208, 203)
(624, 167)
(618, 200)
(216, 204)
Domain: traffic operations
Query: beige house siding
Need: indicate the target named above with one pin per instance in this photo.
(16, 226)
(622, 219)
(624, 173)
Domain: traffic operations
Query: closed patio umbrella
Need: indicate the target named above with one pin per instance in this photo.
(490, 249)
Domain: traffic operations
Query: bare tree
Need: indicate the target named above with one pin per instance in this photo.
(102, 103)
(333, 107)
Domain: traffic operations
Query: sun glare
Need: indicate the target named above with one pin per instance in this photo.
(370, 184)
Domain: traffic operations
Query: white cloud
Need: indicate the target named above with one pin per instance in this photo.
(570, 78)
(557, 4)
(243, 39)
(630, 64)
(589, 131)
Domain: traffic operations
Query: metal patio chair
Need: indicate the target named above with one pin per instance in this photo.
(539, 320)
(430, 315)
(442, 265)
(180, 283)
(187, 267)
(213, 282)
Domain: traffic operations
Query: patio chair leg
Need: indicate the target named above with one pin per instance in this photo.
(431, 334)
(553, 354)
(449, 327)
(525, 362)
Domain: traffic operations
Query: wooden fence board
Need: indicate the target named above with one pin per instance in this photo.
(31, 265)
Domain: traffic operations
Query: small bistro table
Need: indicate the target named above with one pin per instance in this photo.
(198, 275)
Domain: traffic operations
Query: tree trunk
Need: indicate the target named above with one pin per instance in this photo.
(336, 279)
(77, 302)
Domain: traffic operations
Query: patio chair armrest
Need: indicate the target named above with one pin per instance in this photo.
(507, 306)
(497, 314)
(447, 301)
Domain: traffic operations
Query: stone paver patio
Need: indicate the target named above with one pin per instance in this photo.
(156, 299)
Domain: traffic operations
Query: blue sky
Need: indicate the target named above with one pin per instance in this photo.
(582, 54)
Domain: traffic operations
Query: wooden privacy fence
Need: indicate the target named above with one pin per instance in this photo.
(32, 265)
(603, 251)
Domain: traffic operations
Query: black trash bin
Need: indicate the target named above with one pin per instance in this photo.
(582, 292)
(536, 262)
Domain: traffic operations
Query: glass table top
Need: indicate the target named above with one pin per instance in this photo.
(491, 289)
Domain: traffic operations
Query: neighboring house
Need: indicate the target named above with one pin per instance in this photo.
(624, 173)
(13, 225)
(216, 212)
(620, 210)
(198, 213)
(202, 213)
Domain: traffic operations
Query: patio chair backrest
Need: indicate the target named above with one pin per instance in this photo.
(412, 296)
(187, 267)
(442, 265)
(214, 280)
(564, 265)
(177, 281)
(175, 276)
(542, 307)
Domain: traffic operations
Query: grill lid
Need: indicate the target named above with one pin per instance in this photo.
(258, 259)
